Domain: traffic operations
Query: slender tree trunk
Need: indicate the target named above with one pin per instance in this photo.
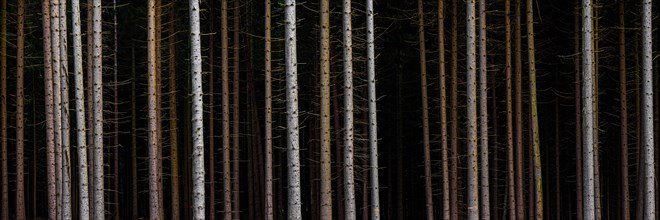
(20, 121)
(623, 98)
(268, 116)
(472, 169)
(154, 177)
(294, 203)
(483, 115)
(520, 197)
(90, 106)
(198, 112)
(98, 112)
(428, 185)
(57, 91)
(80, 113)
(578, 114)
(236, 192)
(446, 205)
(326, 163)
(64, 72)
(373, 126)
(587, 111)
(3, 125)
(531, 60)
(349, 184)
(226, 150)
(647, 111)
(511, 181)
(50, 117)
(453, 175)
(174, 139)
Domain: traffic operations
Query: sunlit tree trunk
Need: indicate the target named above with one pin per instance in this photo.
(99, 202)
(80, 113)
(446, 205)
(531, 60)
(268, 116)
(64, 75)
(349, 184)
(510, 175)
(587, 111)
(623, 99)
(472, 169)
(57, 97)
(428, 185)
(154, 177)
(20, 121)
(50, 117)
(326, 169)
(198, 112)
(483, 114)
(647, 111)
(291, 64)
(373, 126)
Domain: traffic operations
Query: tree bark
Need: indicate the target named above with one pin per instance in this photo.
(174, 139)
(326, 161)
(647, 111)
(236, 116)
(520, 197)
(428, 185)
(453, 175)
(446, 205)
(80, 113)
(373, 126)
(511, 181)
(20, 121)
(349, 184)
(472, 169)
(226, 150)
(587, 111)
(99, 203)
(198, 112)
(623, 99)
(483, 115)
(154, 177)
(531, 60)
(211, 114)
(57, 91)
(293, 167)
(268, 116)
(578, 114)
(50, 117)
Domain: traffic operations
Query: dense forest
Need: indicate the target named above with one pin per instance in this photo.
(260, 109)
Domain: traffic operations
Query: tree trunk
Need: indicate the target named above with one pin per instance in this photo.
(268, 116)
(50, 117)
(236, 192)
(349, 184)
(531, 60)
(20, 121)
(174, 139)
(647, 111)
(80, 113)
(90, 106)
(587, 111)
(472, 169)
(294, 203)
(57, 91)
(483, 115)
(154, 177)
(326, 128)
(98, 112)
(428, 185)
(510, 176)
(226, 150)
(373, 126)
(520, 197)
(198, 112)
(446, 205)
(623, 99)
(453, 175)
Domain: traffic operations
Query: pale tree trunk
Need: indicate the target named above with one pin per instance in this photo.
(236, 116)
(473, 172)
(268, 116)
(64, 75)
(446, 207)
(623, 98)
(483, 114)
(373, 122)
(587, 111)
(154, 177)
(57, 91)
(174, 150)
(647, 111)
(510, 172)
(80, 113)
(531, 60)
(428, 185)
(3, 125)
(50, 136)
(293, 159)
(226, 150)
(20, 121)
(99, 203)
(198, 112)
(349, 184)
(326, 163)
